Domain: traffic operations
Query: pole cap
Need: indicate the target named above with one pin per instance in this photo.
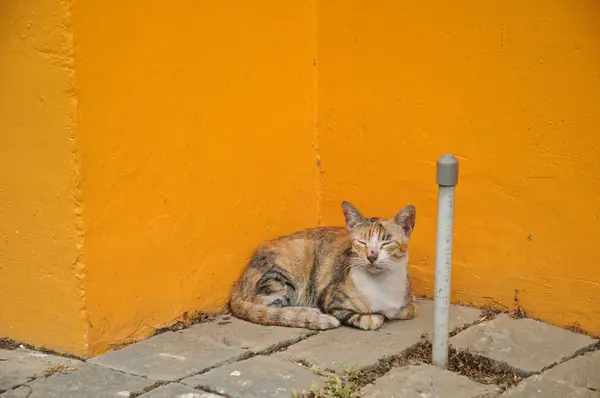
(447, 171)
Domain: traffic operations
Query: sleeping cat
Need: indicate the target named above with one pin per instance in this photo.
(321, 277)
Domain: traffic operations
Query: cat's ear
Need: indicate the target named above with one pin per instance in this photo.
(406, 219)
(352, 216)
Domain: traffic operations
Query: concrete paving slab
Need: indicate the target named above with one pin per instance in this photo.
(169, 356)
(335, 349)
(236, 333)
(426, 381)
(539, 387)
(347, 346)
(88, 381)
(257, 377)
(582, 371)
(459, 317)
(527, 345)
(176, 390)
(22, 365)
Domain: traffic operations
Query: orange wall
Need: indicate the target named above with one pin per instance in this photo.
(41, 269)
(197, 122)
(514, 91)
(161, 144)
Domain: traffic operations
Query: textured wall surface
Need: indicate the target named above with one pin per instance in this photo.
(161, 143)
(514, 91)
(41, 268)
(197, 123)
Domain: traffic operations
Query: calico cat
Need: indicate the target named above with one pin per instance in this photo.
(321, 277)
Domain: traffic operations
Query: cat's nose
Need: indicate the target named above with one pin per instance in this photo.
(372, 257)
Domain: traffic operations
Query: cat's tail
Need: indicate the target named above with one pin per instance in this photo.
(296, 317)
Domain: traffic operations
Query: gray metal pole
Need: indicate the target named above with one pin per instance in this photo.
(447, 178)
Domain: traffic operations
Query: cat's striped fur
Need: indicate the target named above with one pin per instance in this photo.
(321, 277)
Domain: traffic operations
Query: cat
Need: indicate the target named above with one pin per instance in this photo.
(322, 277)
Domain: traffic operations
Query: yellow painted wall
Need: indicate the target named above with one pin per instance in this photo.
(41, 296)
(163, 143)
(196, 121)
(512, 88)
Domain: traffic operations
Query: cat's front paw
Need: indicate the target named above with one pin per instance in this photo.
(369, 322)
(409, 311)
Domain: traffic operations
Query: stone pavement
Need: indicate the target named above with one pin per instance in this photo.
(232, 358)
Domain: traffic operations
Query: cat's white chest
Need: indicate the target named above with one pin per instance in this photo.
(386, 292)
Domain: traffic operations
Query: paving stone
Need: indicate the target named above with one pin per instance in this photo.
(426, 381)
(174, 355)
(22, 365)
(347, 346)
(582, 371)
(176, 390)
(538, 386)
(169, 356)
(88, 381)
(332, 350)
(258, 377)
(236, 333)
(525, 344)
